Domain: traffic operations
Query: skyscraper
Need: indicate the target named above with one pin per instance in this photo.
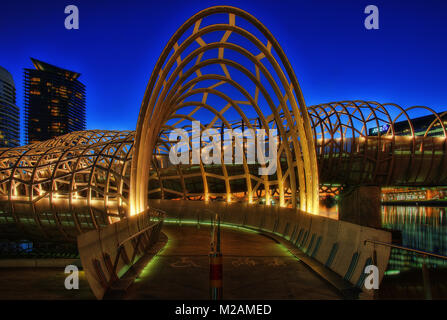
(9, 112)
(54, 102)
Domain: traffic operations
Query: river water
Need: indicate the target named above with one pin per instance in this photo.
(423, 228)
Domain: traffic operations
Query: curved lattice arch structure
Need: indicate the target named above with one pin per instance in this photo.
(223, 61)
(56, 189)
(358, 142)
(348, 152)
(59, 188)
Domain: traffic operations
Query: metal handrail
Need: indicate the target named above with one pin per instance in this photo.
(136, 234)
(425, 271)
(424, 253)
(161, 214)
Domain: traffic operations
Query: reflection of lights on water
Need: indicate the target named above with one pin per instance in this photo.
(392, 272)
(422, 228)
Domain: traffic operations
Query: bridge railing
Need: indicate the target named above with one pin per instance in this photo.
(425, 254)
(216, 263)
(108, 253)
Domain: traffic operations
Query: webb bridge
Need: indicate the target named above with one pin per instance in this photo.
(112, 191)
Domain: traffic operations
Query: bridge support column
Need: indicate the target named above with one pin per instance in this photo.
(361, 205)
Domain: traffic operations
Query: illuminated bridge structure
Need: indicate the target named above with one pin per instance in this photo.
(352, 151)
(221, 65)
(59, 188)
(347, 155)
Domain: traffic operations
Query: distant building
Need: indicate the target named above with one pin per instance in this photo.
(420, 124)
(9, 112)
(54, 102)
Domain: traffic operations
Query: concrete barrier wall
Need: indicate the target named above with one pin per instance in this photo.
(337, 244)
(98, 249)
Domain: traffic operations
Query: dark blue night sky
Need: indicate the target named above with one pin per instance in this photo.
(334, 56)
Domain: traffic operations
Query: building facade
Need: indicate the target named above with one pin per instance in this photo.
(428, 125)
(54, 102)
(9, 112)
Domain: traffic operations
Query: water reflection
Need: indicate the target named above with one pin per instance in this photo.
(423, 228)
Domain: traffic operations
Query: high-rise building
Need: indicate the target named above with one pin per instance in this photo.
(9, 112)
(54, 102)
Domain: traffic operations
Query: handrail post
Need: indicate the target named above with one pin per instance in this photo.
(426, 279)
(135, 250)
(117, 258)
(215, 260)
(218, 233)
(376, 291)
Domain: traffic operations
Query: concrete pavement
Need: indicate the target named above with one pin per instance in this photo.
(254, 267)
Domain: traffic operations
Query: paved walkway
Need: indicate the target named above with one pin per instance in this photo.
(40, 284)
(254, 267)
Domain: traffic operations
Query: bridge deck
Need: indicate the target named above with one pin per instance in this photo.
(254, 267)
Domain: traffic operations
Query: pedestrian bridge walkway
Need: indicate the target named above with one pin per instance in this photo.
(264, 246)
(254, 267)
